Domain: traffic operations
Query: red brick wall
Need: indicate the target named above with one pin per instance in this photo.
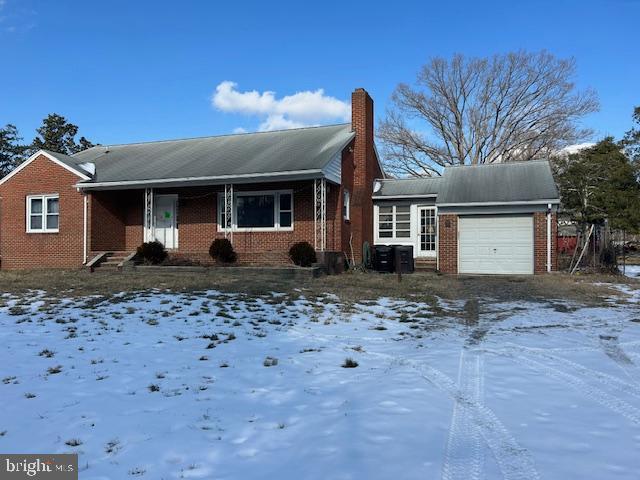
(197, 222)
(107, 229)
(21, 250)
(540, 242)
(448, 243)
(366, 169)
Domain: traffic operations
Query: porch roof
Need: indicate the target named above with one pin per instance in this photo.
(286, 154)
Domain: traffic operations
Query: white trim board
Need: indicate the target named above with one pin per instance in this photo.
(305, 175)
(495, 204)
(29, 160)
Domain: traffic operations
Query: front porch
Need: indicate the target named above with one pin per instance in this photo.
(261, 220)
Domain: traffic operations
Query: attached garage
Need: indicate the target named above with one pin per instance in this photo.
(501, 244)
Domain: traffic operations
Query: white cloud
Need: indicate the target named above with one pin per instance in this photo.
(292, 111)
(239, 130)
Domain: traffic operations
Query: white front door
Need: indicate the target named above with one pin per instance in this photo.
(427, 232)
(499, 244)
(165, 213)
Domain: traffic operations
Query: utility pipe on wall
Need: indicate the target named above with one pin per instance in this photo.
(548, 237)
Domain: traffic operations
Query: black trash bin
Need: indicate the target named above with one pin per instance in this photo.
(404, 254)
(383, 258)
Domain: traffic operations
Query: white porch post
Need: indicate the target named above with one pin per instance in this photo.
(228, 212)
(148, 234)
(320, 214)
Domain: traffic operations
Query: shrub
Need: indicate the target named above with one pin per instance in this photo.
(303, 254)
(349, 363)
(152, 252)
(222, 250)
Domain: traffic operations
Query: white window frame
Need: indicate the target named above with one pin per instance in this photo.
(276, 213)
(346, 204)
(45, 199)
(394, 221)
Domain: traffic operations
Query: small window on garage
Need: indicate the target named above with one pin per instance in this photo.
(43, 213)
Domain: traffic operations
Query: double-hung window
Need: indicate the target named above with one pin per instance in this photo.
(394, 221)
(258, 211)
(43, 213)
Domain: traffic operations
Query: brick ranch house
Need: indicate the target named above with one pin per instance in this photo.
(266, 191)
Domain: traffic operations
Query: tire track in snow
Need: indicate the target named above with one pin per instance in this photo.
(576, 368)
(588, 391)
(612, 348)
(463, 454)
(514, 461)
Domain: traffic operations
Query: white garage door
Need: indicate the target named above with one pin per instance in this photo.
(496, 244)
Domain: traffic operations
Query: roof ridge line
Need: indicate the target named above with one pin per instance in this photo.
(492, 164)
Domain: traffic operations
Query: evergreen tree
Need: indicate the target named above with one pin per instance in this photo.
(600, 183)
(11, 150)
(631, 141)
(58, 135)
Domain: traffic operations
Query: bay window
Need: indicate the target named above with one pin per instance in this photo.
(43, 213)
(394, 221)
(259, 211)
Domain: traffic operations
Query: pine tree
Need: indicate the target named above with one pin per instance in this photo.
(58, 135)
(11, 150)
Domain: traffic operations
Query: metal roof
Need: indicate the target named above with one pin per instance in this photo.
(297, 150)
(408, 187)
(509, 182)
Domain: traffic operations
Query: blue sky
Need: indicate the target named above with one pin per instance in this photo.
(128, 71)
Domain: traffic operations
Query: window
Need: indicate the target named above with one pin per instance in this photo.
(394, 221)
(258, 211)
(255, 211)
(346, 204)
(43, 213)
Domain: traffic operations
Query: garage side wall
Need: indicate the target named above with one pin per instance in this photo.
(448, 243)
(540, 242)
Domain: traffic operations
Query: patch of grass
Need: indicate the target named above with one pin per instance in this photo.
(73, 442)
(349, 363)
(46, 353)
(112, 446)
(270, 362)
(154, 388)
(29, 395)
(54, 370)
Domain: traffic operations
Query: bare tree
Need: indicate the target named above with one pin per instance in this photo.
(517, 106)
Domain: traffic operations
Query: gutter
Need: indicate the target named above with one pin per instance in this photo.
(553, 201)
(218, 179)
(85, 240)
(392, 197)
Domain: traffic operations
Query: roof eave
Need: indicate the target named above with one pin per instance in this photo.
(201, 181)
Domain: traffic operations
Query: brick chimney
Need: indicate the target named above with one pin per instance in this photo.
(366, 169)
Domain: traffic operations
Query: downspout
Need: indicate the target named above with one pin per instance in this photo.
(549, 237)
(85, 229)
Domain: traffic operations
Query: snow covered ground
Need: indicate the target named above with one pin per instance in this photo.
(164, 386)
(632, 271)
